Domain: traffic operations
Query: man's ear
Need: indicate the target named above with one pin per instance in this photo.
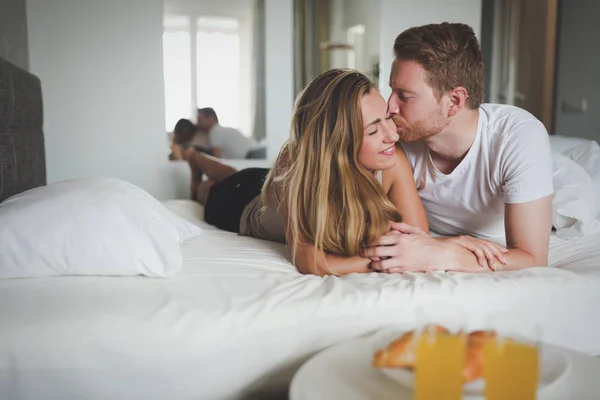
(458, 96)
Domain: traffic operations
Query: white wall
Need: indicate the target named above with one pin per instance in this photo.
(398, 15)
(100, 63)
(279, 72)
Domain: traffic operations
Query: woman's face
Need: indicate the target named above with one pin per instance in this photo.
(378, 150)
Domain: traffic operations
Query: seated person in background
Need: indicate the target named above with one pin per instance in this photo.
(339, 183)
(225, 142)
(481, 170)
(186, 134)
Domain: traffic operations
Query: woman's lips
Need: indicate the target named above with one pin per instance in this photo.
(390, 151)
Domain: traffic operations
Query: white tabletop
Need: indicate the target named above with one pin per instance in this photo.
(345, 372)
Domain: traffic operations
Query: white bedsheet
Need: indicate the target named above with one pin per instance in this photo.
(240, 319)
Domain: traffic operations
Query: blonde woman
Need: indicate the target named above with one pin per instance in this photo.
(339, 185)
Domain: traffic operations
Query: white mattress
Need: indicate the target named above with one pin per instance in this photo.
(240, 319)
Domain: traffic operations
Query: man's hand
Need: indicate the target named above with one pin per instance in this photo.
(487, 252)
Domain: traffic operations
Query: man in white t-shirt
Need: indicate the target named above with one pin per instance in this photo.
(482, 170)
(225, 142)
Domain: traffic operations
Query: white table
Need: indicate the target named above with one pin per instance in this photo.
(345, 372)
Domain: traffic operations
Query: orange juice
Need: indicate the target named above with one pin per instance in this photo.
(439, 367)
(510, 370)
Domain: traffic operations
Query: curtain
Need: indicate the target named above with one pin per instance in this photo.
(311, 28)
(259, 126)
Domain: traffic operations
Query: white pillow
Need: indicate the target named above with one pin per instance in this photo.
(563, 144)
(575, 203)
(91, 226)
(588, 156)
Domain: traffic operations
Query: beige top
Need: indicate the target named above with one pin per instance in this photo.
(267, 224)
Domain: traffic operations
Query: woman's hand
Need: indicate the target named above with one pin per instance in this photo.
(406, 248)
(397, 228)
(391, 231)
(486, 251)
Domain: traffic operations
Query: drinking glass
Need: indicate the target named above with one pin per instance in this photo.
(511, 357)
(441, 352)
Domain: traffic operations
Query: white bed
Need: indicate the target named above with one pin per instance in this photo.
(239, 320)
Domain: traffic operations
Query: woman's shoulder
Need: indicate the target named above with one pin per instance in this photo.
(399, 171)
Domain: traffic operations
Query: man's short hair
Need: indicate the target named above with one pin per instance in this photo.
(451, 55)
(208, 112)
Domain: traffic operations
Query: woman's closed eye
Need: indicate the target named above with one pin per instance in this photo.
(387, 118)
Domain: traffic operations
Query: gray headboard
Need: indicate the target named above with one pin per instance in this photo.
(22, 154)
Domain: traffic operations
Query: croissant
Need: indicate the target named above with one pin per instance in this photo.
(474, 360)
(401, 353)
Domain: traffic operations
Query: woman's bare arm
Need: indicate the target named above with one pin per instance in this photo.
(326, 264)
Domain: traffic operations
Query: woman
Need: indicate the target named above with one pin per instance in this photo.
(186, 134)
(338, 184)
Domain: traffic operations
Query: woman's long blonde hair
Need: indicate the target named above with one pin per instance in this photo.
(330, 199)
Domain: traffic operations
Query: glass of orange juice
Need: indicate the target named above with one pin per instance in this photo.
(511, 357)
(440, 353)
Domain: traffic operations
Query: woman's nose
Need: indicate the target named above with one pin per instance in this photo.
(391, 134)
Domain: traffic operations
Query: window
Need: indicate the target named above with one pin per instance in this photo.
(208, 62)
(219, 82)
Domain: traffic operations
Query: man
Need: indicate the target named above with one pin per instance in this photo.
(226, 142)
(482, 170)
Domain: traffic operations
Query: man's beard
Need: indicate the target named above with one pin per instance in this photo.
(424, 129)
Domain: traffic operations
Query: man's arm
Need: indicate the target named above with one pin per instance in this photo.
(527, 174)
(528, 226)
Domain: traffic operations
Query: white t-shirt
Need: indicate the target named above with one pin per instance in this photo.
(232, 142)
(509, 162)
